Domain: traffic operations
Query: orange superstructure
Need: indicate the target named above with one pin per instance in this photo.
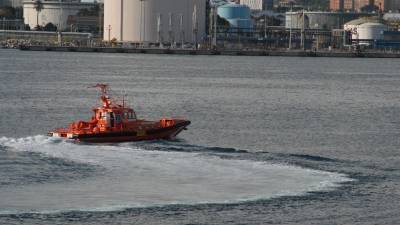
(114, 122)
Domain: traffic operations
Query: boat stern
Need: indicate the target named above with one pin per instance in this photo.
(62, 133)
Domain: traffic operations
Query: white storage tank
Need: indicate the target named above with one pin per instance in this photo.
(150, 20)
(52, 11)
(370, 31)
(365, 31)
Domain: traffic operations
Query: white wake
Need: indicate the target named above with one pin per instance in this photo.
(142, 178)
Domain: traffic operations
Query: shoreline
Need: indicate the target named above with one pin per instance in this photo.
(292, 53)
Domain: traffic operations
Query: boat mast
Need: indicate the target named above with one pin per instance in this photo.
(104, 98)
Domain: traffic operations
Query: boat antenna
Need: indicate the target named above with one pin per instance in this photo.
(104, 98)
(103, 87)
(123, 97)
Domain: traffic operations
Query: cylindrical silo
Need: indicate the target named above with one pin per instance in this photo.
(145, 20)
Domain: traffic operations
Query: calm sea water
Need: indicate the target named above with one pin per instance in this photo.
(273, 140)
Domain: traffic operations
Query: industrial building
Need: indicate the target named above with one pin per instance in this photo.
(12, 24)
(392, 19)
(392, 5)
(289, 4)
(79, 23)
(52, 11)
(12, 3)
(155, 21)
(342, 5)
(375, 32)
(320, 20)
(358, 5)
(258, 5)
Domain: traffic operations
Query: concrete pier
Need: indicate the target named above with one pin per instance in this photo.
(293, 53)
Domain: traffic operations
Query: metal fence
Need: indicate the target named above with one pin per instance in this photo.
(46, 38)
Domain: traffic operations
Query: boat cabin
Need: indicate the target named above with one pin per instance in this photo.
(113, 118)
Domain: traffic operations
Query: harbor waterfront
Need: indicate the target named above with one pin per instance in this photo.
(273, 140)
(257, 52)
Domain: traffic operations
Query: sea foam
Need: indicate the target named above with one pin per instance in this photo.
(135, 177)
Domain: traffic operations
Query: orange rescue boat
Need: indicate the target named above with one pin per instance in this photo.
(113, 122)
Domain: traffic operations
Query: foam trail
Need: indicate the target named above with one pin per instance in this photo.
(138, 178)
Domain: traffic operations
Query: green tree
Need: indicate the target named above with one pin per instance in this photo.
(50, 27)
(38, 7)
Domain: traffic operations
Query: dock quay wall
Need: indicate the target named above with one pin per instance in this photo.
(366, 54)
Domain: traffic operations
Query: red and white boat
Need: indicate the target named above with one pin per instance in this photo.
(113, 122)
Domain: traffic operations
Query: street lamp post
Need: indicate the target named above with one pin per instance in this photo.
(159, 30)
(142, 21)
(290, 28)
(121, 31)
(170, 29)
(265, 31)
(60, 17)
(182, 33)
(59, 24)
(195, 26)
(215, 17)
(303, 32)
(109, 33)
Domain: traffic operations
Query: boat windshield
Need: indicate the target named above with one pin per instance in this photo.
(130, 115)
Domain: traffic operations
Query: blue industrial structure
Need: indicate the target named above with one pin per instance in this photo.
(391, 40)
(237, 15)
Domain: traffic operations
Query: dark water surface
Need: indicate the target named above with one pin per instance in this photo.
(273, 140)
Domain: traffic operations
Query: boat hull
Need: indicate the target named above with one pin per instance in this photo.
(126, 136)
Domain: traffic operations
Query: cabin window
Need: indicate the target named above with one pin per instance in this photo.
(118, 118)
(132, 115)
(129, 115)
